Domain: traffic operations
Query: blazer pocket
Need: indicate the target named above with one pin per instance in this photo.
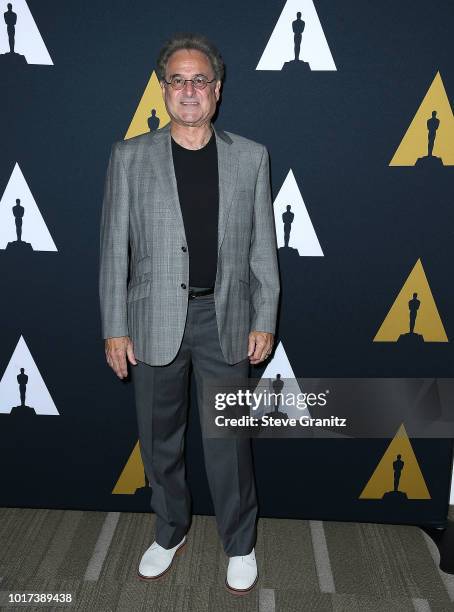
(245, 193)
(157, 209)
(142, 266)
(138, 290)
(160, 213)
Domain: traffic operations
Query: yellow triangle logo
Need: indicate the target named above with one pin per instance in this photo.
(398, 474)
(151, 113)
(429, 130)
(133, 475)
(413, 318)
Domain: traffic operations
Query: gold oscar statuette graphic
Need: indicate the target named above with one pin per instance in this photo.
(429, 139)
(398, 477)
(413, 318)
(151, 113)
(132, 478)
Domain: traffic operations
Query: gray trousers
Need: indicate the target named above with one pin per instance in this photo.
(161, 396)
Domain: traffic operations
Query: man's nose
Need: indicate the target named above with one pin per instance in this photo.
(189, 87)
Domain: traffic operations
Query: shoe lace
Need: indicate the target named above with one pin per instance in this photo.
(248, 559)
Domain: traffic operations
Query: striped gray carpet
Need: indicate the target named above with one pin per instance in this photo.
(303, 565)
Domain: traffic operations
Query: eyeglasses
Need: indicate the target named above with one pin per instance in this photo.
(199, 82)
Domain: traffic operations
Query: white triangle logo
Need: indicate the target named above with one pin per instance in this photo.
(22, 388)
(297, 42)
(279, 368)
(293, 224)
(20, 40)
(22, 226)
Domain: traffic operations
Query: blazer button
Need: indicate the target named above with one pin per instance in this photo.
(183, 286)
(183, 248)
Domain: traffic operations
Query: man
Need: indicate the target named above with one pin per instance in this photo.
(194, 204)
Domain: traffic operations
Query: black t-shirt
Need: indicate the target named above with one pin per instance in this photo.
(196, 172)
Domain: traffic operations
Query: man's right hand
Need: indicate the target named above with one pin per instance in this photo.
(117, 349)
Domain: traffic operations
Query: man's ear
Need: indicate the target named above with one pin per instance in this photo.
(217, 89)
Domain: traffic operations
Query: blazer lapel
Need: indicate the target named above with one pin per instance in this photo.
(161, 148)
(228, 174)
(227, 168)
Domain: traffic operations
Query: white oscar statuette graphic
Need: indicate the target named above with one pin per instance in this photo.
(22, 226)
(295, 233)
(23, 391)
(20, 40)
(297, 43)
(279, 377)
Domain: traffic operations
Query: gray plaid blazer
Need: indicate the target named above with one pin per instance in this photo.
(141, 209)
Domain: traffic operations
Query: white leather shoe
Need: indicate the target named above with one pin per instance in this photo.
(241, 574)
(157, 560)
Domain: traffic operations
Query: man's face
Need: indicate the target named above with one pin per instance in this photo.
(190, 106)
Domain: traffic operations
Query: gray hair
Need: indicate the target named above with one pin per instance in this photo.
(189, 40)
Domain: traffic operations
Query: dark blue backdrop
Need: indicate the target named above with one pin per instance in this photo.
(336, 130)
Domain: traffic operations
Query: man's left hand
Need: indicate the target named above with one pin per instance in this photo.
(260, 345)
